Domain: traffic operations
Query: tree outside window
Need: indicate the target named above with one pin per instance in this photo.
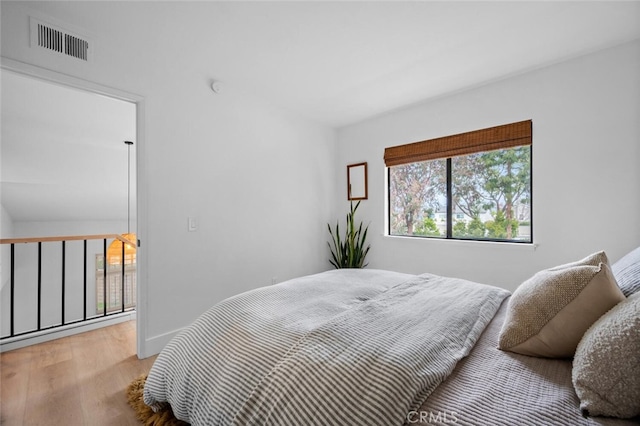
(487, 196)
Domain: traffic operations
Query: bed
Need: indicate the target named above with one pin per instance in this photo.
(373, 347)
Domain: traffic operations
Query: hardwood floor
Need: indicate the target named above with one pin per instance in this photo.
(77, 380)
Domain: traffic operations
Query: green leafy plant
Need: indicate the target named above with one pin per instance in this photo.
(349, 251)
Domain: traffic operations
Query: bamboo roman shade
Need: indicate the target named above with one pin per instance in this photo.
(499, 137)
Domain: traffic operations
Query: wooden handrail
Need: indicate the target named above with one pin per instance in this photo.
(67, 238)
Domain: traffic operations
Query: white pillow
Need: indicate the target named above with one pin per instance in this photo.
(548, 314)
(606, 367)
(627, 272)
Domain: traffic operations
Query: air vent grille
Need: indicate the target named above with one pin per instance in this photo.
(76, 47)
(49, 38)
(59, 40)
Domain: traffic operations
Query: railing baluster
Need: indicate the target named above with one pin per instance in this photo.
(122, 283)
(63, 279)
(104, 275)
(84, 280)
(13, 288)
(39, 285)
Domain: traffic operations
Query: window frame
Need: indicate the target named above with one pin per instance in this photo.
(458, 142)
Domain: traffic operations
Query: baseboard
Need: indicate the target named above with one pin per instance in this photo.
(64, 331)
(154, 345)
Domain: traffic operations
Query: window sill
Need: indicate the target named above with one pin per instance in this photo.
(467, 243)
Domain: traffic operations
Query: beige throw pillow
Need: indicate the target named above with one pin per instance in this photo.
(606, 367)
(549, 313)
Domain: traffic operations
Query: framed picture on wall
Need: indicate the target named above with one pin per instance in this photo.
(357, 181)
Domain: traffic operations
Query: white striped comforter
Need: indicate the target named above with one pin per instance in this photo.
(352, 347)
(491, 387)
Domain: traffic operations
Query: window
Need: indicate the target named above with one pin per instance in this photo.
(475, 185)
(113, 290)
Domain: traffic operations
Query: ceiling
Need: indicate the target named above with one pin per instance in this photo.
(337, 63)
(63, 152)
(343, 62)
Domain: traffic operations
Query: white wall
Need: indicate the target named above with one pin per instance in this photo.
(259, 179)
(6, 230)
(586, 151)
(28, 229)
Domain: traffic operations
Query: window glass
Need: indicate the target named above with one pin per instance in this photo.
(492, 192)
(417, 199)
(490, 197)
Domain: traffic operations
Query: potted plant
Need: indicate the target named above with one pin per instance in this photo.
(349, 251)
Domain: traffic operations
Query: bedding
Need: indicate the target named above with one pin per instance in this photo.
(627, 272)
(549, 312)
(491, 387)
(606, 367)
(365, 347)
(341, 347)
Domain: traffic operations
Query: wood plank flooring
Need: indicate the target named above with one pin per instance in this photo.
(77, 380)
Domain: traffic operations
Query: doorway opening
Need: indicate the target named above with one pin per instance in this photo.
(66, 178)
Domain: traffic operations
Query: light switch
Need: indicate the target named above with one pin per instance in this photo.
(192, 224)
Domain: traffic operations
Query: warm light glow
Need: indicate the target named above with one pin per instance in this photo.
(114, 252)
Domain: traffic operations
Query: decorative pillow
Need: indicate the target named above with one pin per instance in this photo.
(606, 367)
(548, 314)
(627, 272)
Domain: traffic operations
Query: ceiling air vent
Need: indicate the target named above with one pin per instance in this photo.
(56, 39)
